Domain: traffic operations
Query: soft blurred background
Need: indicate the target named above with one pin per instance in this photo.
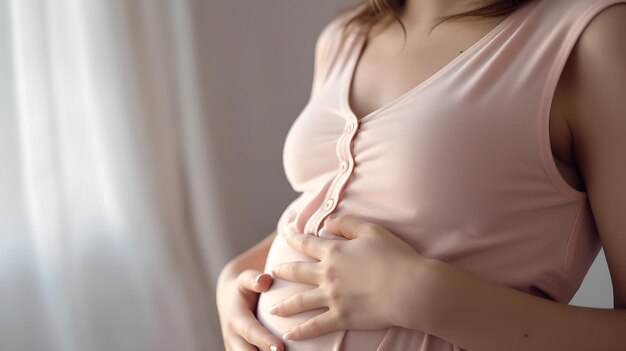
(140, 150)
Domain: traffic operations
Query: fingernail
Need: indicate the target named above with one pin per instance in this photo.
(273, 347)
(273, 309)
(287, 336)
(258, 277)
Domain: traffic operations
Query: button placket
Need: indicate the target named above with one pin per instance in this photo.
(350, 127)
(344, 166)
(344, 171)
(329, 204)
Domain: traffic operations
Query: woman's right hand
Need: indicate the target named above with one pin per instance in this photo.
(237, 297)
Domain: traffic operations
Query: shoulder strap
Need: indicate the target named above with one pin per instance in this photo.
(328, 46)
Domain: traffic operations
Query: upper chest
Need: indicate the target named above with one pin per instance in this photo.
(385, 69)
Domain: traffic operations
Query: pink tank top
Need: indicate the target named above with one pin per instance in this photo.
(459, 167)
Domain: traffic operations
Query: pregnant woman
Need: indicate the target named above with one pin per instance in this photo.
(456, 183)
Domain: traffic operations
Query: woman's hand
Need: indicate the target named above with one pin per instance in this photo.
(363, 281)
(237, 297)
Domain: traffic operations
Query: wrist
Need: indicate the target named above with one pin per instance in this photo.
(416, 309)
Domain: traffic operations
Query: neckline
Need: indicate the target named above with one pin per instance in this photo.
(355, 54)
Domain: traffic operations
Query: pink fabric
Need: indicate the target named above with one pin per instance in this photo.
(460, 167)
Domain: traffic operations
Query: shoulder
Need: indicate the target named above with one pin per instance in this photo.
(328, 43)
(324, 46)
(605, 30)
(598, 127)
(331, 31)
(598, 65)
(324, 38)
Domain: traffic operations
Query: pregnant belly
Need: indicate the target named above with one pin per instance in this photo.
(340, 340)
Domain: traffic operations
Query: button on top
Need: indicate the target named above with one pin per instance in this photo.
(329, 204)
(344, 166)
(350, 127)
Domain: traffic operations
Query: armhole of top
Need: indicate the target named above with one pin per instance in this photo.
(548, 95)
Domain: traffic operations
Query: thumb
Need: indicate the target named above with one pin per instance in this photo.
(251, 279)
(348, 226)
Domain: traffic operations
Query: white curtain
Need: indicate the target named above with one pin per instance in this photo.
(108, 200)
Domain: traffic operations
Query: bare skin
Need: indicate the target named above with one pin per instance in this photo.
(237, 296)
(586, 139)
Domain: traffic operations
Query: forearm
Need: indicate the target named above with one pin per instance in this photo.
(478, 315)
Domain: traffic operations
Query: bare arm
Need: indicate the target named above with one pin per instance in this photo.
(237, 293)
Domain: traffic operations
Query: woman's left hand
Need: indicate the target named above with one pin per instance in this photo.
(365, 281)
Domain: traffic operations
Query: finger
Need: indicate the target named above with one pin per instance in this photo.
(304, 301)
(252, 331)
(309, 244)
(238, 343)
(247, 280)
(321, 324)
(298, 271)
(349, 226)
